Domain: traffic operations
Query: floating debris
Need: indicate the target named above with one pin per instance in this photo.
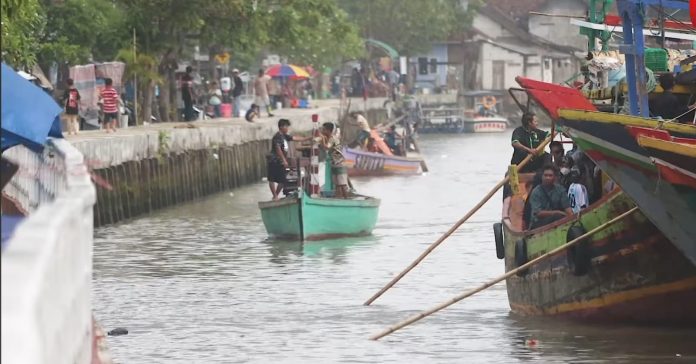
(118, 332)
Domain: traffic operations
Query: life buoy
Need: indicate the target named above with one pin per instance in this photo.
(521, 256)
(489, 102)
(579, 256)
(499, 242)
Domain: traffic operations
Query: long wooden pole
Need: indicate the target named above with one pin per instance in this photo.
(457, 224)
(510, 273)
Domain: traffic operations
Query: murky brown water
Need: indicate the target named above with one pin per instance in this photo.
(201, 283)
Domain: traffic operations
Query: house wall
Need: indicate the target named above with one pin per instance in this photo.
(439, 51)
(557, 29)
(565, 69)
(514, 66)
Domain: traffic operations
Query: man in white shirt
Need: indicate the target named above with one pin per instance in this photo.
(364, 127)
(577, 193)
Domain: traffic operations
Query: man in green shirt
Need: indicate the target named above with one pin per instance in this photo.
(549, 200)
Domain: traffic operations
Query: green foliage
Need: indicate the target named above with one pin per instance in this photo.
(22, 23)
(314, 32)
(78, 30)
(143, 65)
(410, 26)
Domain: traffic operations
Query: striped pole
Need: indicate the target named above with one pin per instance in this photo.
(314, 165)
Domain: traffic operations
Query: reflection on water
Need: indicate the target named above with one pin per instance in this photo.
(202, 282)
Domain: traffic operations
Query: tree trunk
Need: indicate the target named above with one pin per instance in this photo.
(173, 109)
(166, 69)
(164, 100)
(147, 103)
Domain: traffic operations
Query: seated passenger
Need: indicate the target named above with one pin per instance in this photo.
(391, 138)
(557, 153)
(577, 193)
(667, 105)
(549, 201)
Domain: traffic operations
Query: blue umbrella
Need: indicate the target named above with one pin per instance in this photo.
(29, 115)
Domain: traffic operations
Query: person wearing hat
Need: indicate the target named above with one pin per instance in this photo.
(236, 91)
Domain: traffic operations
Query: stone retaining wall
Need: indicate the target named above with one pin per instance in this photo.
(139, 170)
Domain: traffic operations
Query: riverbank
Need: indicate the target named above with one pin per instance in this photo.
(140, 169)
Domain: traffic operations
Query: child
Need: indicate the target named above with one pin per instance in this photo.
(71, 103)
(253, 113)
(332, 145)
(577, 193)
(109, 100)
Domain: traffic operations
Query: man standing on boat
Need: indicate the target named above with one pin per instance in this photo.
(525, 139)
(330, 143)
(278, 158)
(549, 201)
(364, 127)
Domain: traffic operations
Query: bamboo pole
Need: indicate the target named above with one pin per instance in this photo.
(458, 223)
(510, 273)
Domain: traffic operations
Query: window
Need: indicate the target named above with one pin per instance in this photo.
(433, 65)
(422, 66)
(498, 75)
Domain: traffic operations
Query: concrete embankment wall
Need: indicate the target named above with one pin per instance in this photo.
(139, 170)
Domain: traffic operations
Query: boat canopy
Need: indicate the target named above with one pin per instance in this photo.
(391, 52)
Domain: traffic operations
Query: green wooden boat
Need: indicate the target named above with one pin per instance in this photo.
(304, 217)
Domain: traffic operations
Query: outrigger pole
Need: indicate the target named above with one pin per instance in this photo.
(512, 272)
(459, 223)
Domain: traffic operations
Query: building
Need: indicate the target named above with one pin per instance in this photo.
(504, 42)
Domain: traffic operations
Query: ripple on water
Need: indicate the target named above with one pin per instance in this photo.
(202, 283)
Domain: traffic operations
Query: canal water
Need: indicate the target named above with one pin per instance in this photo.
(202, 283)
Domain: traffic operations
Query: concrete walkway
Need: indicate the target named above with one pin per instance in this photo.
(102, 150)
(322, 107)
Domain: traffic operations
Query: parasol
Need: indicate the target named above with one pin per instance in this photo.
(287, 70)
(29, 115)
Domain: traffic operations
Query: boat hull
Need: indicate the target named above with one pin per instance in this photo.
(484, 125)
(307, 218)
(635, 274)
(361, 163)
(671, 207)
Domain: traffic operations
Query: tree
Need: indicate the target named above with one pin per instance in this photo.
(410, 26)
(22, 24)
(80, 30)
(143, 68)
(315, 32)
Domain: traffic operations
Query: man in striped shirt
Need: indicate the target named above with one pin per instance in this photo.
(109, 101)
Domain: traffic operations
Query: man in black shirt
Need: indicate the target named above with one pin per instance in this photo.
(525, 139)
(187, 93)
(278, 158)
(667, 105)
(236, 91)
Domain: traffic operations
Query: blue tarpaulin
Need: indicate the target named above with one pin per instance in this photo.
(29, 115)
(9, 224)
